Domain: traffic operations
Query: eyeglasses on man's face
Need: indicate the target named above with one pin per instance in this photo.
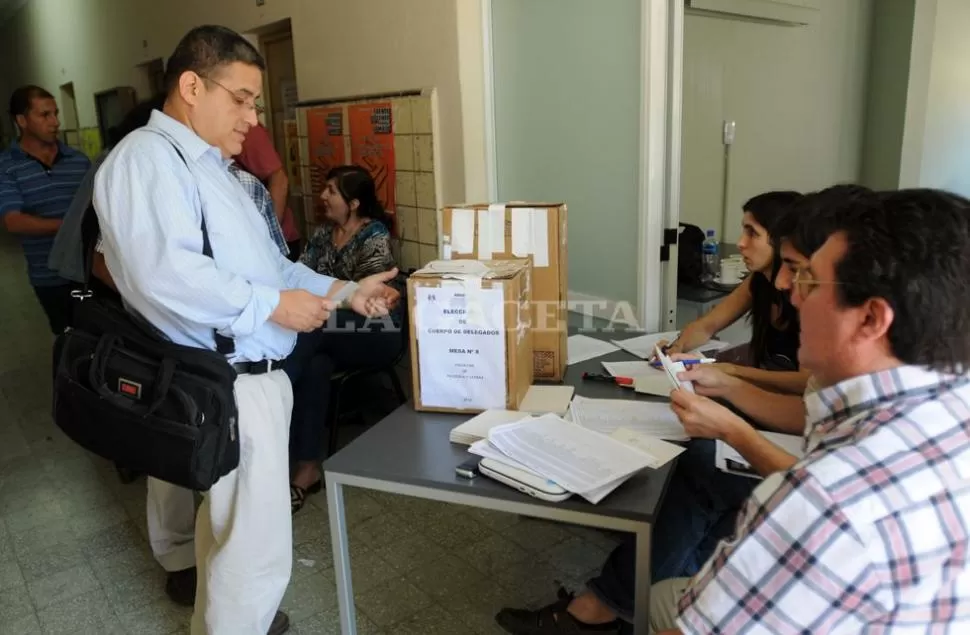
(245, 103)
(804, 282)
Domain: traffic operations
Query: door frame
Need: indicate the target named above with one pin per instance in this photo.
(658, 189)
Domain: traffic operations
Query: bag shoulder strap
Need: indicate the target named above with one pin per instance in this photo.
(224, 345)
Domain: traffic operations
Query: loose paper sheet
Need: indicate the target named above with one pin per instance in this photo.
(660, 452)
(631, 369)
(578, 459)
(478, 426)
(461, 366)
(791, 443)
(582, 347)
(643, 345)
(644, 417)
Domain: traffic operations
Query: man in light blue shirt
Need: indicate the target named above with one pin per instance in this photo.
(150, 196)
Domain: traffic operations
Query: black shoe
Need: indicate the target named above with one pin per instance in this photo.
(281, 624)
(550, 620)
(180, 586)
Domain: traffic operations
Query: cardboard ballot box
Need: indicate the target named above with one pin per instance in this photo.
(516, 230)
(471, 341)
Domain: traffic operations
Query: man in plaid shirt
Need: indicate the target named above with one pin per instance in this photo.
(869, 532)
(260, 195)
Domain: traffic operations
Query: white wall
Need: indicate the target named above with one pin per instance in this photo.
(797, 95)
(946, 134)
(343, 48)
(567, 121)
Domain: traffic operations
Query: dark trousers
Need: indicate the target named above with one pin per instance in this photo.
(347, 342)
(58, 305)
(700, 509)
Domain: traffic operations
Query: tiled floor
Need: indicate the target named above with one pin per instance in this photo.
(74, 557)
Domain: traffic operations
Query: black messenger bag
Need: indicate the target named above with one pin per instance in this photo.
(125, 392)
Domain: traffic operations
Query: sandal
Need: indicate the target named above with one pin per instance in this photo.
(553, 619)
(298, 495)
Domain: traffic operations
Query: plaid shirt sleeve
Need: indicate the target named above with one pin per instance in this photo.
(796, 566)
(260, 195)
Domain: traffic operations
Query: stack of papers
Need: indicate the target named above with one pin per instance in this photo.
(729, 460)
(606, 416)
(477, 428)
(582, 347)
(579, 460)
(540, 400)
(643, 346)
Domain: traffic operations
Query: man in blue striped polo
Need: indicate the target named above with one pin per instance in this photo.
(38, 178)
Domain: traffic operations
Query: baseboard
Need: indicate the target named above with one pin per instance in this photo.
(619, 312)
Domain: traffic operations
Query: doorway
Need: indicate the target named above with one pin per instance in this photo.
(583, 105)
(150, 79)
(280, 97)
(70, 133)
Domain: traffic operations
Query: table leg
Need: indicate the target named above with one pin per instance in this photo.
(641, 605)
(341, 558)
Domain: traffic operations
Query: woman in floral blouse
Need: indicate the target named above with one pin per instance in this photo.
(353, 243)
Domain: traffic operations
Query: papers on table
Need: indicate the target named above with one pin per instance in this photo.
(660, 452)
(642, 346)
(478, 426)
(582, 347)
(540, 400)
(578, 459)
(629, 369)
(729, 460)
(643, 417)
(657, 385)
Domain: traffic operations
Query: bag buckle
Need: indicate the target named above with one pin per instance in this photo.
(81, 294)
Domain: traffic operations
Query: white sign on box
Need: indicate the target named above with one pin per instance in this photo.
(461, 365)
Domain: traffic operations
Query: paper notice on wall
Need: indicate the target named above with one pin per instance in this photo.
(290, 96)
(463, 231)
(461, 366)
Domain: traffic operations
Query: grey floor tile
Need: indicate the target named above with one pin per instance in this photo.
(495, 553)
(368, 569)
(310, 595)
(86, 614)
(10, 575)
(358, 506)
(433, 621)
(133, 561)
(40, 561)
(6, 544)
(62, 586)
(157, 618)
(310, 523)
(328, 623)
(100, 520)
(410, 552)
(121, 538)
(455, 531)
(15, 604)
(42, 514)
(444, 576)
(392, 602)
(535, 583)
(537, 535)
(496, 521)
(575, 556)
(132, 593)
(382, 529)
(317, 556)
(26, 625)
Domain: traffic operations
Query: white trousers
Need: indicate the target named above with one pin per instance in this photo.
(171, 524)
(243, 533)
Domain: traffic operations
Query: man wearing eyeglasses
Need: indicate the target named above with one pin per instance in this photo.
(870, 530)
(150, 196)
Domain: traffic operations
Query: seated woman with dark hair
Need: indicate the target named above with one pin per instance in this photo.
(353, 243)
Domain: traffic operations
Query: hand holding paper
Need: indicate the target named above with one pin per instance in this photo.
(702, 417)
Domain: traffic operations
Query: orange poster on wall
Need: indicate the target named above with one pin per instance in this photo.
(325, 143)
(372, 146)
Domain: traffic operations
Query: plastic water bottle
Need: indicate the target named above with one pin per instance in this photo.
(712, 257)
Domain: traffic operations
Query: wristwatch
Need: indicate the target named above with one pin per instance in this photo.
(343, 296)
